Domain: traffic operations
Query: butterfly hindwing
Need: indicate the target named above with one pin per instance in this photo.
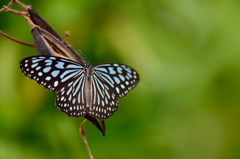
(121, 78)
(104, 102)
(71, 98)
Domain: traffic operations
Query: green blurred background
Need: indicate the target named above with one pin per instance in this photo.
(186, 106)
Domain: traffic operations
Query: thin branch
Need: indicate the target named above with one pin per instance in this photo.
(12, 2)
(8, 6)
(25, 7)
(25, 15)
(16, 40)
(67, 34)
(2, 10)
(82, 133)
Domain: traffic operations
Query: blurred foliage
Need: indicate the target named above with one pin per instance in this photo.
(187, 104)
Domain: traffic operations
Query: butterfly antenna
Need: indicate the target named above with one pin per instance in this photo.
(83, 54)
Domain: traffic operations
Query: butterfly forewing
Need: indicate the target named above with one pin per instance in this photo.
(104, 102)
(121, 78)
(50, 72)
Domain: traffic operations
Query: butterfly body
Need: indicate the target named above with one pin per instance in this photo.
(87, 72)
(82, 89)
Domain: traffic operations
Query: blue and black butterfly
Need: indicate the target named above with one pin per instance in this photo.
(81, 88)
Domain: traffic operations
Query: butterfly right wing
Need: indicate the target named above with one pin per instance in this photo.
(110, 81)
(64, 76)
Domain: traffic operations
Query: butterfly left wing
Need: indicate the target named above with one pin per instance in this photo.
(121, 78)
(64, 76)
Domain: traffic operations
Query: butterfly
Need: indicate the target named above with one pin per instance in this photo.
(81, 88)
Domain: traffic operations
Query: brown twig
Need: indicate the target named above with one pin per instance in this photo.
(67, 34)
(25, 15)
(16, 40)
(12, 2)
(25, 7)
(8, 6)
(2, 10)
(82, 133)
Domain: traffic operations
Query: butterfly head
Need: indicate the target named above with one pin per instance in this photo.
(86, 64)
(88, 69)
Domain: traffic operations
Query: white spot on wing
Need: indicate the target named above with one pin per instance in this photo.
(48, 78)
(117, 89)
(122, 86)
(55, 83)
